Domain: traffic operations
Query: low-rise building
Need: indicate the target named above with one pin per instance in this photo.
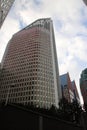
(69, 89)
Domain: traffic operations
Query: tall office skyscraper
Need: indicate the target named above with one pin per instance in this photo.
(29, 66)
(83, 85)
(5, 6)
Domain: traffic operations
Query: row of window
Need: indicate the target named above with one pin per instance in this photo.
(22, 97)
(34, 102)
(27, 90)
(29, 56)
(30, 42)
(31, 98)
(43, 63)
(27, 86)
(44, 75)
(41, 85)
(28, 60)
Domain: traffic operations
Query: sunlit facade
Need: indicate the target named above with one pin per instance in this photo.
(29, 67)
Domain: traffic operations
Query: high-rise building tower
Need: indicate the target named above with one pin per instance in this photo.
(29, 67)
(5, 6)
(83, 85)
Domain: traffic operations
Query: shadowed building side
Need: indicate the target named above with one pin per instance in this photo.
(85, 1)
(83, 85)
(5, 6)
(75, 91)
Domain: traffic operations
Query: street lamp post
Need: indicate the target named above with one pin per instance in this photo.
(7, 96)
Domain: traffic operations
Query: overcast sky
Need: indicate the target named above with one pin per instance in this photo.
(70, 26)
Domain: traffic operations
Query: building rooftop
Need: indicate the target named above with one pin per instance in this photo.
(42, 22)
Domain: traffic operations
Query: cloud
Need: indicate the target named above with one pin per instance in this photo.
(78, 48)
(70, 26)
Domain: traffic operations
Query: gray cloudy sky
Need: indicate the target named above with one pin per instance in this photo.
(70, 26)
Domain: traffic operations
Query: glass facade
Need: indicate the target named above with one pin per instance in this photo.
(69, 88)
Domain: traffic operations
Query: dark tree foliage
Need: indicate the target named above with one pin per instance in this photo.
(73, 110)
(64, 105)
(67, 111)
(85, 107)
